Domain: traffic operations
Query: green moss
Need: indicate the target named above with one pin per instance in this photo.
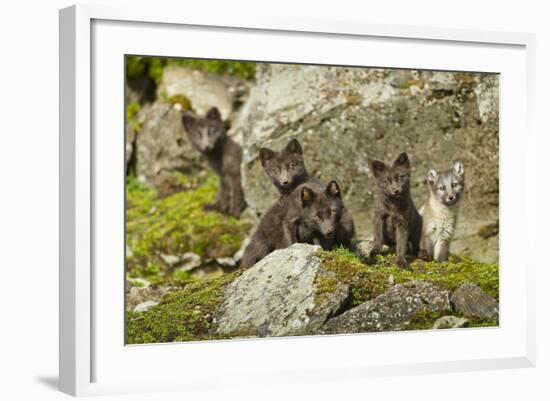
(153, 67)
(132, 110)
(449, 275)
(182, 315)
(182, 100)
(425, 320)
(365, 281)
(176, 224)
(369, 281)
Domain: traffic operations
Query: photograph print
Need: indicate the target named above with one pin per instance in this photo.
(277, 200)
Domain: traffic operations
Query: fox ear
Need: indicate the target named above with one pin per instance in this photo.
(402, 160)
(293, 147)
(188, 120)
(458, 168)
(432, 176)
(265, 155)
(333, 189)
(214, 115)
(377, 167)
(307, 196)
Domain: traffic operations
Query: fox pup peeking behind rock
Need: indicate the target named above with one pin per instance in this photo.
(440, 212)
(208, 136)
(396, 220)
(287, 171)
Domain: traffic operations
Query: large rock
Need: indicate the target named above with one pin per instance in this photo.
(161, 144)
(283, 294)
(472, 301)
(344, 117)
(392, 310)
(204, 90)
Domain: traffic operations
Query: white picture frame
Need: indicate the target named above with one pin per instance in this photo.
(84, 328)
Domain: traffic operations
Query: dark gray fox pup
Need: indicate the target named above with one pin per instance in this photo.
(306, 215)
(440, 212)
(396, 220)
(285, 168)
(208, 136)
(287, 171)
(319, 220)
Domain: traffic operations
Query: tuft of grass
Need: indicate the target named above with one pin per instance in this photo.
(176, 224)
(182, 315)
(365, 281)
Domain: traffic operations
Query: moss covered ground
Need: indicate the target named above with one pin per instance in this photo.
(176, 224)
(370, 280)
(182, 315)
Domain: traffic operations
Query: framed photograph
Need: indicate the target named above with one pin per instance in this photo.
(280, 200)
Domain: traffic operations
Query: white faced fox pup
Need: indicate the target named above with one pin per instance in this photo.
(440, 212)
(208, 136)
(396, 220)
(306, 215)
(287, 171)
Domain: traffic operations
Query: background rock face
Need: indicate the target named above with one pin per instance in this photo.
(278, 296)
(345, 117)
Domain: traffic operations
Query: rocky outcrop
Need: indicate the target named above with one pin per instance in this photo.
(472, 301)
(161, 144)
(344, 117)
(392, 310)
(282, 295)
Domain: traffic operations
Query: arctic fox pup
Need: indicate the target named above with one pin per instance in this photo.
(439, 213)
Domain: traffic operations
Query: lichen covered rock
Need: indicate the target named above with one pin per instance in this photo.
(472, 301)
(279, 296)
(392, 310)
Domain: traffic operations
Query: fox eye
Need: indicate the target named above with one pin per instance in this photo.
(442, 188)
(292, 165)
(454, 184)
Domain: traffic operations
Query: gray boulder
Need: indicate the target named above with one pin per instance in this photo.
(161, 144)
(281, 296)
(392, 310)
(472, 301)
(204, 90)
(344, 117)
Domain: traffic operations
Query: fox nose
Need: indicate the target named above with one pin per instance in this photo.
(285, 182)
(451, 198)
(396, 191)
